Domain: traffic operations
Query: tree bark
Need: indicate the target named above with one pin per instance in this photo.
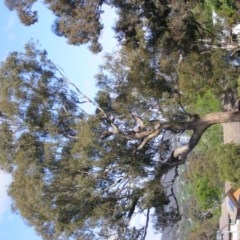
(199, 126)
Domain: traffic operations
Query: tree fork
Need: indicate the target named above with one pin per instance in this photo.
(199, 126)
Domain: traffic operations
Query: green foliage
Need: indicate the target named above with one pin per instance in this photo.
(202, 173)
(228, 160)
(139, 23)
(72, 181)
(78, 21)
(225, 8)
(205, 193)
(206, 74)
(103, 100)
(36, 97)
(206, 229)
(23, 8)
(203, 184)
(207, 103)
(203, 176)
(213, 137)
(75, 184)
(238, 87)
(6, 146)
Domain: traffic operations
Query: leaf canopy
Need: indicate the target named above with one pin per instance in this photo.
(86, 176)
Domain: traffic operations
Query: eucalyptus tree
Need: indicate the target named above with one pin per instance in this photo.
(69, 179)
(87, 176)
(177, 23)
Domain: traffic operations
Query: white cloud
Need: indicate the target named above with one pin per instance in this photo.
(5, 202)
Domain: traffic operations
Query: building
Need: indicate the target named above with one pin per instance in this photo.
(229, 222)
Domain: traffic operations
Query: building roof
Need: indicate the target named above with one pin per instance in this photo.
(236, 194)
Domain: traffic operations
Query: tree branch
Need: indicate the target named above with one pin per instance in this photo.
(146, 225)
(148, 138)
(199, 126)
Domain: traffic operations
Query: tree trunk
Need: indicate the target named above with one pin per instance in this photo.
(199, 126)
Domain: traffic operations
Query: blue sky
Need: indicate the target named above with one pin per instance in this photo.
(79, 65)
